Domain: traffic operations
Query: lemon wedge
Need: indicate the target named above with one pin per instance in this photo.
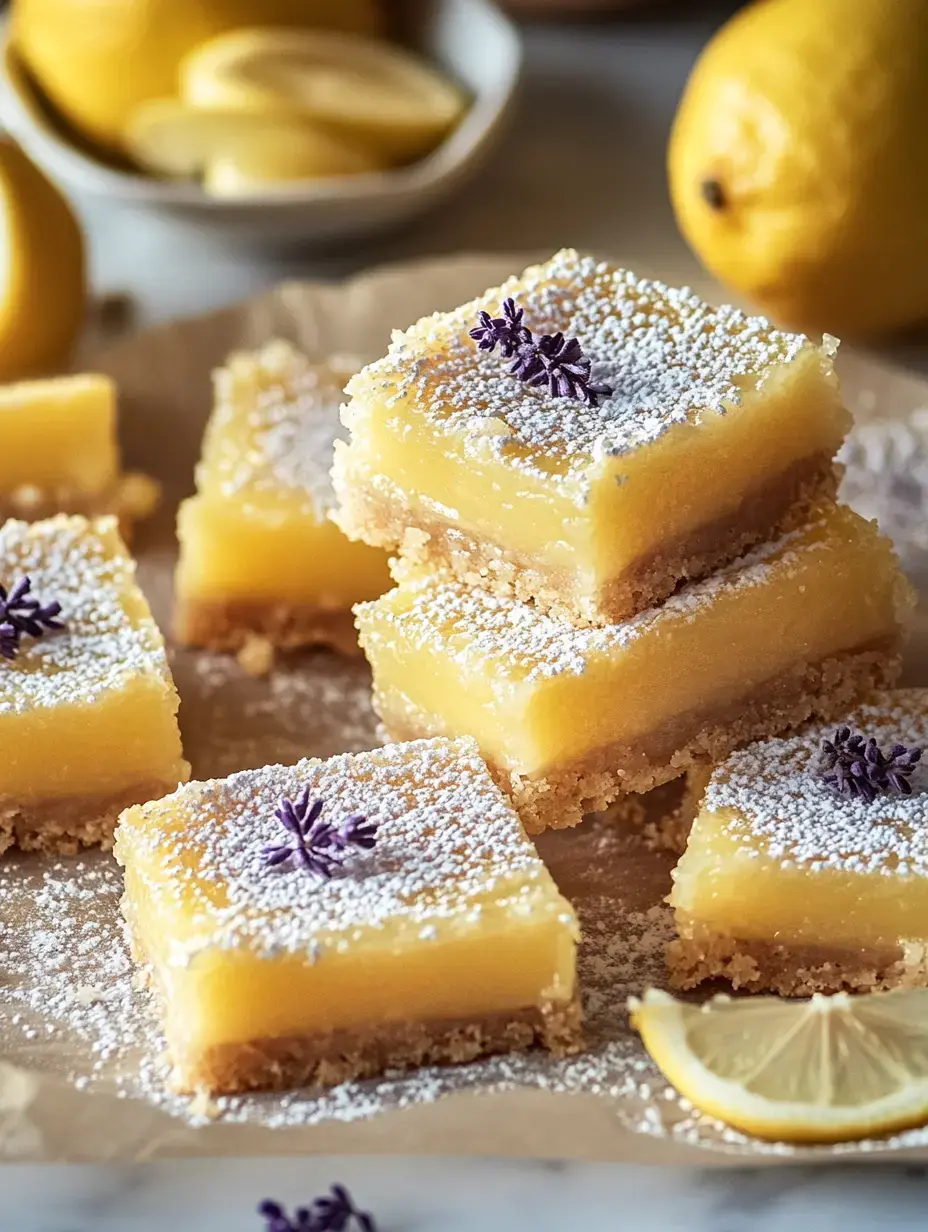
(368, 91)
(238, 151)
(42, 270)
(831, 1069)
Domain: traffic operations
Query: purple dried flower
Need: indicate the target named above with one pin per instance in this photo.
(507, 332)
(855, 766)
(551, 359)
(24, 616)
(317, 844)
(333, 1212)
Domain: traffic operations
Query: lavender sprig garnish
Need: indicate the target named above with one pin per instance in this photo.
(334, 1212)
(855, 766)
(550, 359)
(317, 845)
(507, 332)
(22, 615)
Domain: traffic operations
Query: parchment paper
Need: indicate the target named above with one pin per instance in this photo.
(82, 1072)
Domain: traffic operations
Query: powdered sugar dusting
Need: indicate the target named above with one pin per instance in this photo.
(448, 843)
(474, 626)
(669, 358)
(886, 478)
(782, 808)
(107, 639)
(273, 429)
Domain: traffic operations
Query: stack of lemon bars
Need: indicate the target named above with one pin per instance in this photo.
(611, 512)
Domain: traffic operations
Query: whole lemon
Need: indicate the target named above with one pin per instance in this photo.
(43, 278)
(96, 60)
(797, 161)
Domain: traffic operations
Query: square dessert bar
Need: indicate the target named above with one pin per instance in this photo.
(258, 554)
(569, 718)
(718, 431)
(789, 884)
(88, 711)
(60, 453)
(329, 920)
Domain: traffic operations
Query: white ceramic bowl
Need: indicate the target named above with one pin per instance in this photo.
(472, 39)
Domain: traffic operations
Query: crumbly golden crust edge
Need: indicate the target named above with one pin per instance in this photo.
(347, 1055)
(384, 518)
(229, 625)
(130, 498)
(560, 797)
(700, 954)
(64, 826)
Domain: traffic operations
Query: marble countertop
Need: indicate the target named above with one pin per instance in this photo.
(447, 1195)
(583, 164)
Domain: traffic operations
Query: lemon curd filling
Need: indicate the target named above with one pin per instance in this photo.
(571, 717)
(60, 451)
(790, 885)
(88, 712)
(721, 423)
(258, 553)
(446, 938)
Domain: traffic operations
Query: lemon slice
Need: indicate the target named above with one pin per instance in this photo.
(284, 157)
(169, 138)
(43, 289)
(826, 1070)
(383, 95)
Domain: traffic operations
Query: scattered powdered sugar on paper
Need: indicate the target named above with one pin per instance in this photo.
(886, 478)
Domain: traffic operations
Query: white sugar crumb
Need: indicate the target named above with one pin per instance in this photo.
(783, 809)
(448, 841)
(83, 566)
(886, 478)
(669, 357)
(273, 429)
(474, 626)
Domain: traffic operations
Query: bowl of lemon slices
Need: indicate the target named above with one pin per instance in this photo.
(273, 132)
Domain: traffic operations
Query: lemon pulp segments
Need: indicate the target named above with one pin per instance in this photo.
(824, 1070)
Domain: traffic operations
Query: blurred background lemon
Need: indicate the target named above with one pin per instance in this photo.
(97, 60)
(42, 270)
(796, 161)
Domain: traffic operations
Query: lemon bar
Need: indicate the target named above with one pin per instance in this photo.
(686, 435)
(258, 554)
(570, 717)
(329, 920)
(792, 885)
(87, 705)
(60, 453)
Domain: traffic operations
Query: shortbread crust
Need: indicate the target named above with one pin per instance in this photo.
(790, 970)
(343, 1056)
(132, 497)
(63, 826)
(228, 626)
(560, 799)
